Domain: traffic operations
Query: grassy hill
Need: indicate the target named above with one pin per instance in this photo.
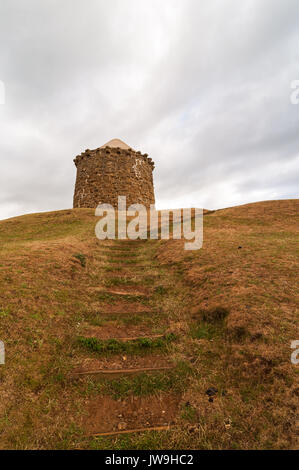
(114, 336)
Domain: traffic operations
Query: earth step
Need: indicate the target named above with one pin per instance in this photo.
(131, 431)
(142, 312)
(123, 361)
(127, 241)
(118, 372)
(132, 293)
(107, 415)
(132, 253)
(133, 290)
(121, 306)
(143, 266)
(112, 249)
(132, 338)
(125, 274)
(125, 339)
(125, 261)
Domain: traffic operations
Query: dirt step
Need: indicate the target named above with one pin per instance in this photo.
(114, 313)
(126, 241)
(123, 362)
(115, 249)
(120, 253)
(106, 415)
(133, 431)
(130, 275)
(132, 291)
(134, 266)
(127, 261)
(131, 338)
(131, 346)
(129, 290)
(118, 332)
(114, 373)
(120, 308)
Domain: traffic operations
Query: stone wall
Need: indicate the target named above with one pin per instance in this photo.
(106, 173)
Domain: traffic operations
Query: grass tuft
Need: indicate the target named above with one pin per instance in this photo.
(113, 346)
(82, 258)
(144, 384)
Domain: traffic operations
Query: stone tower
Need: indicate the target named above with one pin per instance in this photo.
(113, 170)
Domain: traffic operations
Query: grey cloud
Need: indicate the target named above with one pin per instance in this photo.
(203, 87)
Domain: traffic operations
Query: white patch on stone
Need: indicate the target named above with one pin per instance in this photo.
(136, 167)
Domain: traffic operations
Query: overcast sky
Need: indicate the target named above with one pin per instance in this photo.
(202, 86)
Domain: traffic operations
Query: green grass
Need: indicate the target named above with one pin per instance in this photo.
(144, 384)
(82, 258)
(113, 346)
(161, 290)
(189, 413)
(204, 331)
(4, 313)
(112, 268)
(119, 254)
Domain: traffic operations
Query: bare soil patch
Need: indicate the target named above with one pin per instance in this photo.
(106, 414)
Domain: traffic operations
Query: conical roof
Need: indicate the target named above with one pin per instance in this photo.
(116, 143)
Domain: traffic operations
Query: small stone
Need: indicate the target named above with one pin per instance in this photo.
(122, 426)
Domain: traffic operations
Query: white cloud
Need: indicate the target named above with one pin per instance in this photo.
(203, 87)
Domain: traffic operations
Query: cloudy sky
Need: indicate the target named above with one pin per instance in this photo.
(202, 86)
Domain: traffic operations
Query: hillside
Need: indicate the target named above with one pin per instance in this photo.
(108, 337)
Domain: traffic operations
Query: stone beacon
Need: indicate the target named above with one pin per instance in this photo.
(113, 170)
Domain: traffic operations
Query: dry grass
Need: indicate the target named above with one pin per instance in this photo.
(232, 304)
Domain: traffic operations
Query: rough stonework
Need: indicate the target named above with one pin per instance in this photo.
(113, 170)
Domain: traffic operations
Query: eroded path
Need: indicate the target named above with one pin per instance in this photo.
(128, 349)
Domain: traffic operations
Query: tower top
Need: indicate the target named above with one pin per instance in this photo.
(116, 143)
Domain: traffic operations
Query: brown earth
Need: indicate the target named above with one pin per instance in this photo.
(105, 414)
